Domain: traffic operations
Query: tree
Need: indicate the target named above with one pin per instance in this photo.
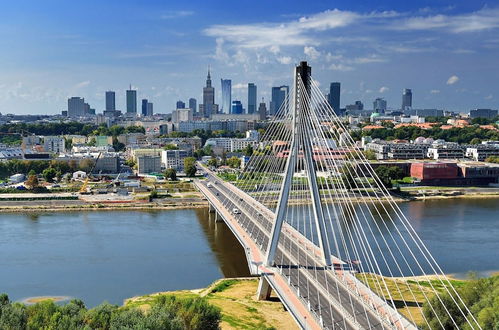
(171, 174)
(190, 166)
(234, 162)
(212, 162)
(170, 146)
(248, 151)
(347, 176)
(117, 145)
(49, 174)
(388, 173)
(370, 154)
(32, 181)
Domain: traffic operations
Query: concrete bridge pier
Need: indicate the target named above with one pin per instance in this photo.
(211, 209)
(264, 289)
(218, 217)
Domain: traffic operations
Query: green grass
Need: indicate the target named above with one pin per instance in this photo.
(223, 285)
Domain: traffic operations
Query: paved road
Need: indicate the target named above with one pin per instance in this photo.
(328, 296)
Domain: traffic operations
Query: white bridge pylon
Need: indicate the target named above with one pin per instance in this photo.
(301, 141)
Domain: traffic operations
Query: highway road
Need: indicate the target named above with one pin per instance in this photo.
(329, 297)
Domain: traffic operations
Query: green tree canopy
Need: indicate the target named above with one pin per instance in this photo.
(171, 174)
(190, 166)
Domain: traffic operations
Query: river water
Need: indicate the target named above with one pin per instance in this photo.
(112, 255)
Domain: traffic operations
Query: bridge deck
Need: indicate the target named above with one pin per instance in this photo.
(335, 298)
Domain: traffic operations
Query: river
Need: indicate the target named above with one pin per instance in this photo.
(112, 255)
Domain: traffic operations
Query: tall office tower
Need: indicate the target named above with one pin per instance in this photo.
(110, 101)
(406, 99)
(226, 95)
(192, 104)
(76, 106)
(180, 105)
(379, 105)
(251, 98)
(237, 107)
(150, 111)
(279, 94)
(208, 98)
(334, 97)
(262, 110)
(144, 107)
(131, 101)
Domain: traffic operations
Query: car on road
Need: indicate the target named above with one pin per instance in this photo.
(236, 211)
(209, 185)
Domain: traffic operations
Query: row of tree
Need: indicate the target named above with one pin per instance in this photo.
(166, 312)
(68, 128)
(47, 168)
(467, 135)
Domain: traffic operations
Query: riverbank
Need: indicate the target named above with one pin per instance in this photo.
(67, 206)
(236, 299)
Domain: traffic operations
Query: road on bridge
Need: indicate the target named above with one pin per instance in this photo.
(325, 290)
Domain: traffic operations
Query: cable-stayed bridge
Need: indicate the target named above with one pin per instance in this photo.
(322, 231)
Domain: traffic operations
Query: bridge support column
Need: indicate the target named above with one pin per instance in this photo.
(211, 209)
(264, 289)
(218, 217)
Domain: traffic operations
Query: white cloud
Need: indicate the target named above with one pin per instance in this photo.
(291, 33)
(340, 67)
(484, 19)
(435, 91)
(284, 60)
(82, 84)
(464, 51)
(489, 97)
(368, 59)
(384, 89)
(330, 57)
(240, 86)
(176, 14)
(452, 80)
(311, 52)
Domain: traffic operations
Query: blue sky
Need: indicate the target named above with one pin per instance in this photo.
(446, 51)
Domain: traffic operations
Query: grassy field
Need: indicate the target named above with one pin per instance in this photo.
(236, 299)
(408, 294)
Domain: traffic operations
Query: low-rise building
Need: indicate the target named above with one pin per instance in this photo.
(147, 164)
(446, 151)
(174, 159)
(480, 152)
(54, 144)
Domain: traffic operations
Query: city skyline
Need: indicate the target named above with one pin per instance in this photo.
(445, 53)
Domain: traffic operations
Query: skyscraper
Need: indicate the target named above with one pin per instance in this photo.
(379, 105)
(144, 107)
(150, 110)
(279, 94)
(131, 101)
(251, 98)
(406, 99)
(208, 98)
(262, 110)
(192, 104)
(226, 95)
(334, 97)
(180, 105)
(237, 107)
(110, 101)
(76, 106)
